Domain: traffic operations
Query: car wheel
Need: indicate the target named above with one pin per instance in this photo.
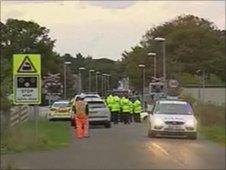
(193, 136)
(107, 125)
(151, 134)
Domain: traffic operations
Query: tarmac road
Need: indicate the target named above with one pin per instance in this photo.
(125, 147)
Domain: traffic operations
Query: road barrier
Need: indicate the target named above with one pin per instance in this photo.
(18, 114)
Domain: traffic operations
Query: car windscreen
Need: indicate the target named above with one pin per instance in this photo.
(173, 108)
(63, 104)
(94, 105)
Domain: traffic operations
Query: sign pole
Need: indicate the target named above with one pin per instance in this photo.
(36, 112)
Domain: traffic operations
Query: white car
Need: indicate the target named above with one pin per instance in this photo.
(59, 110)
(88, 95)
(99, 114)
(172, 117)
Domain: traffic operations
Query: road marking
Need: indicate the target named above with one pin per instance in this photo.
(167, 154)
(160, 148)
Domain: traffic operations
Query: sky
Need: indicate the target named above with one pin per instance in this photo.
(104, 29)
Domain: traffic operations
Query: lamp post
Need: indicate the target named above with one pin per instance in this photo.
(102, 84)
(154, 56)
(109, 76)
(142, 66)
(202, 75)
(90, 80)
(80, 78)
(164, 59)
(65, 77)
(97, 73)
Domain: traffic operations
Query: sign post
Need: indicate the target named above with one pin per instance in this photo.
(27, 82)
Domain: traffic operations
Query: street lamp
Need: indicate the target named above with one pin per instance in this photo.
(160, 39)
(97, 73)
(142, 66)
(108, 81)
(80, 78)
(202, 75)
(90, 80)
(65, 74)
(154, 56)
(102, 83)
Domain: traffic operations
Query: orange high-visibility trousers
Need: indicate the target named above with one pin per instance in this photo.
(80, 126)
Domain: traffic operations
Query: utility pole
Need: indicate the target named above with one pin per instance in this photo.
(80, 78)
(97, 73)
(65, 78)
(90, 80)
(164, 60)
(142, 66)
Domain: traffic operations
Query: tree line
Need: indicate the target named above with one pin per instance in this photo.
(192, 43)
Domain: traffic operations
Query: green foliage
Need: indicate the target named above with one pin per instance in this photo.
(211, 121)
(186, 78)
(214, 132)
(102, 65)
(187, 97)
(192, 43)
(50, 135)
(210, 114)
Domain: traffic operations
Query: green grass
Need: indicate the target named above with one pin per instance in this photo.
(50, 135)
(214, 132)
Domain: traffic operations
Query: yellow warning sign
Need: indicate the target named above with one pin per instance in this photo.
(26, 64)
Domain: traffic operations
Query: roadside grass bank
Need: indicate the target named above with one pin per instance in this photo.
(50, 135)
(211, 121)
(213, 132)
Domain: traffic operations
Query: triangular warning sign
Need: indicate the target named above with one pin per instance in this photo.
(26, 66)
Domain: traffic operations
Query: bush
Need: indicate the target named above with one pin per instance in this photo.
(188, 97)
(210, 114)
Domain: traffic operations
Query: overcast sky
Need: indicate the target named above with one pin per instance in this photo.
(106, 28)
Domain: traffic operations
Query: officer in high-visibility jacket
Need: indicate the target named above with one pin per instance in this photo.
(126, 110)
(81, 120)
(131, 111)
(121, 116)
(110, 100)
(115, 108)
(137, 110)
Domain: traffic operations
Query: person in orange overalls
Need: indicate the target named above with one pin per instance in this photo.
(81, 118)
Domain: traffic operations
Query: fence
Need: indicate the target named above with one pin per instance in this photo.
(18, 114)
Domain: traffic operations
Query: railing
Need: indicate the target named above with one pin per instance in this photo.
(18, 114)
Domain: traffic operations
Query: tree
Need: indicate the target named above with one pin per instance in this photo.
(192, 43)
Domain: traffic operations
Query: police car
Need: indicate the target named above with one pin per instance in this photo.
(59, 111)
(172, 117)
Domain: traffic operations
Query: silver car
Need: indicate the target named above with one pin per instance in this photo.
(99, 114)
(172, 117)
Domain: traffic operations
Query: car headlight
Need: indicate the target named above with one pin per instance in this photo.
(190, 123)
(158, 122)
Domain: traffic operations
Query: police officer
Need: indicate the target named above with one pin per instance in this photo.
(131, 111)
(110, 101)
(137, 110)
(115, 108)
(126, 110)
(121, 116)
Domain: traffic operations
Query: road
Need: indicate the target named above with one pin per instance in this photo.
(125, 147)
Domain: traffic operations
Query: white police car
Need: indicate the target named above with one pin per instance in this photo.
(172, 117)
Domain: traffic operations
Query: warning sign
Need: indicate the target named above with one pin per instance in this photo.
(27, 78)
(26, 66)
(27, 90)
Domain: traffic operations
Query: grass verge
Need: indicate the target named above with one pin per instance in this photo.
(214, 132)
(211, 121)
(22, 137)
